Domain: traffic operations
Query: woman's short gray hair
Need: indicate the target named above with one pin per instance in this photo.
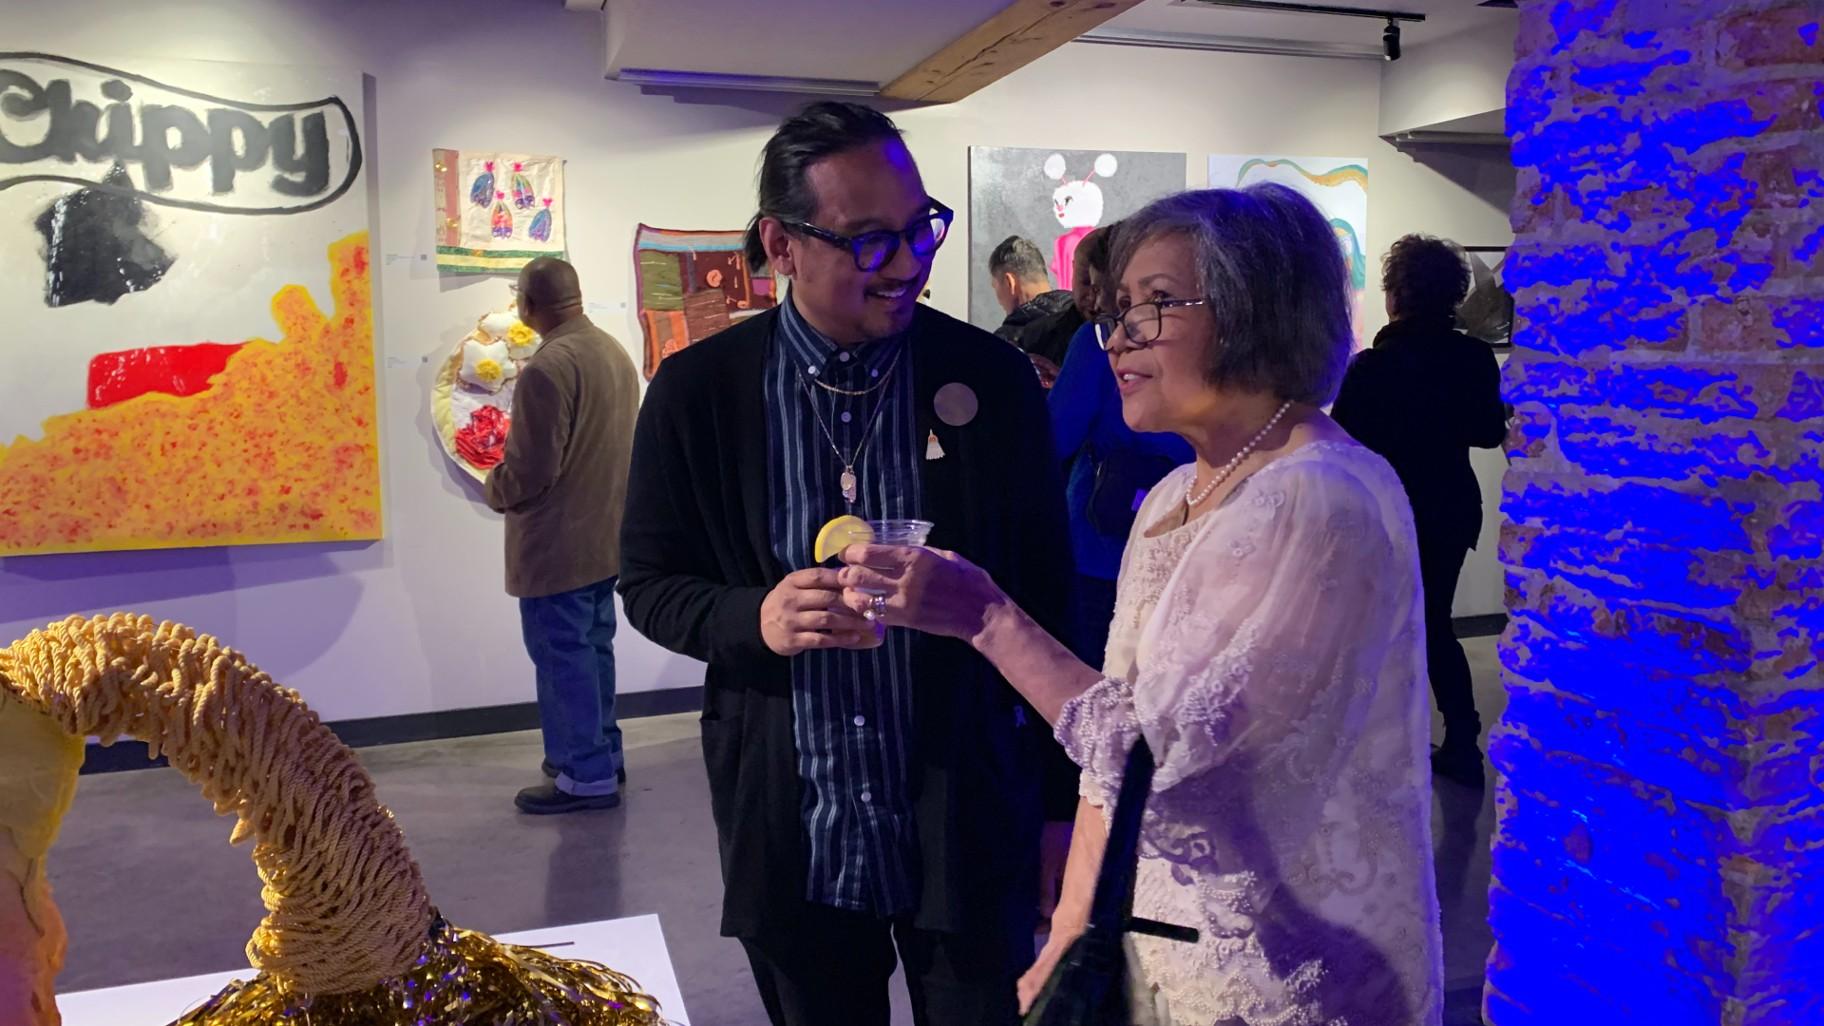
(1277, 286)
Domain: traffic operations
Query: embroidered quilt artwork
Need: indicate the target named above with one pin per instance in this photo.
(692, 285)
(189, 305)
(472, 398)
(496, 212)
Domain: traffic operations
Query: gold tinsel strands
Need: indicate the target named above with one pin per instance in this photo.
(350, 937)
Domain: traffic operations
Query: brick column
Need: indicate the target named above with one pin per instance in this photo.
(1659, 856)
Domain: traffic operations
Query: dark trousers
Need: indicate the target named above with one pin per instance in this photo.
(1441, 564)
(831, 969)
(1092, 613)
(570, 637)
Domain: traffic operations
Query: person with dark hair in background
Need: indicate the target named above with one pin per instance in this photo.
(1023, 287)
(561, 485)
(1108, 466)
(1422, 397)
(875, 793)
(1016, 270)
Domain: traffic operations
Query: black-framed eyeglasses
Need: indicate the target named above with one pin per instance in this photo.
(1140, 323)
(873, 250)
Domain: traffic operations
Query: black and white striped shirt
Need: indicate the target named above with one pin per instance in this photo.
(852, 710)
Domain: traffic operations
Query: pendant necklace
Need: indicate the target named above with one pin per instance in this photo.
(850, 484)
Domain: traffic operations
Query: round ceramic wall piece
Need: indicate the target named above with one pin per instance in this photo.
(472, 398)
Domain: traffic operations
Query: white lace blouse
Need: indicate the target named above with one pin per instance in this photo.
(1272, 653)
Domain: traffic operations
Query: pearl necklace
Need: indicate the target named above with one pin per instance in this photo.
(1193, 500)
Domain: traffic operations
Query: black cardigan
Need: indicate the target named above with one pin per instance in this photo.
(698, 561)
(1422, 398)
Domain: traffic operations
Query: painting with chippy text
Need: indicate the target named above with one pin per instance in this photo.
(189, 285)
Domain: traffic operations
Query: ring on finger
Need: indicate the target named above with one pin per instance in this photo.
(877, 609)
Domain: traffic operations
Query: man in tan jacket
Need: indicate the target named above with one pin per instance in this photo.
(562, 485)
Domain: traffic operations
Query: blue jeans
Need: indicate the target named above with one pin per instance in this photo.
(570, 637)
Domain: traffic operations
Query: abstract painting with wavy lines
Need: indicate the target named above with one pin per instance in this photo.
(1339, 187)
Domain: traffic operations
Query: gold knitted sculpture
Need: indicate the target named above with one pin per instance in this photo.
(350, 936)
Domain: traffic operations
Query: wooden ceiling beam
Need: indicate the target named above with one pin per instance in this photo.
(1021, 33)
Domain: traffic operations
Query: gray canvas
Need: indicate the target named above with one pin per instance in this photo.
(1048, 195)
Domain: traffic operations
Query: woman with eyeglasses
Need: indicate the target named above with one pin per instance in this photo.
(1267, 642)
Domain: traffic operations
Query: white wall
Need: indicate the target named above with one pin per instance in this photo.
(1448, 79)
(419, 621)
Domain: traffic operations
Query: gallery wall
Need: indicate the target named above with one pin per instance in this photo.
(418, 622)
(1448, 80)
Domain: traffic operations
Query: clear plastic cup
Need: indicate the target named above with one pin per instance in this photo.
(901, 532)
(894, 532)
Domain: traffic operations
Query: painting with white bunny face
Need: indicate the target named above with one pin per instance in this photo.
(1053, 198)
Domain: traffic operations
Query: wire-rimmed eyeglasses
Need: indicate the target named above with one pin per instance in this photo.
(873, 250)
(1140, 323)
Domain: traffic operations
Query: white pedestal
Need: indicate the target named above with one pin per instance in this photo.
(634, 946)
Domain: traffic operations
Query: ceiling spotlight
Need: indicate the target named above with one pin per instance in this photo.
(1390, 40)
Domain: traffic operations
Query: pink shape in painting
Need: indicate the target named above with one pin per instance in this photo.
(1078, 206)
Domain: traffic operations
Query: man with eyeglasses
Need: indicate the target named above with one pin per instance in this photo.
(876, 795)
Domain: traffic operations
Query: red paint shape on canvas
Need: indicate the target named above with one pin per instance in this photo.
(171, 370)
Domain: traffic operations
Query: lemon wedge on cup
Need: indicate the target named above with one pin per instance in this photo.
(839, 534)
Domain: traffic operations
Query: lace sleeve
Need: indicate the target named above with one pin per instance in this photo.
(1097, 728)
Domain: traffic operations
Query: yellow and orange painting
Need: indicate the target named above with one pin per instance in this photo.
(250, 443)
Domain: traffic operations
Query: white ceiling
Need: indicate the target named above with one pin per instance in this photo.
(1188, 17)
(871, 41)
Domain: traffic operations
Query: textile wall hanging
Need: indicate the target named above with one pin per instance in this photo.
(692, 285)
(496, 212)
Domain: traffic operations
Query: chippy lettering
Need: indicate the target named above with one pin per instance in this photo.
(160, 136)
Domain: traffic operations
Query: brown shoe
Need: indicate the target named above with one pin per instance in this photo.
(547, 800)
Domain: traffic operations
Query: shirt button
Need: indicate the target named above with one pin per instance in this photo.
(847, 416)
(843, 357)
(873, 374)
(813, 369)
(867, 797)
(861, 721)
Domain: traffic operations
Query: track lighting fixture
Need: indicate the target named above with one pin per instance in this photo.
(1390, 36)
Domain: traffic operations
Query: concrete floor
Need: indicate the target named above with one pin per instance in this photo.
(149, 888)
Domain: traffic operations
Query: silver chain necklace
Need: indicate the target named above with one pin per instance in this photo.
(851, 485)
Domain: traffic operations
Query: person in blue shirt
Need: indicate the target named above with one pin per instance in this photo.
(1108, 466)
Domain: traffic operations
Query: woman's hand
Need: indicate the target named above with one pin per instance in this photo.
(1063, 935)
(928, 590)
